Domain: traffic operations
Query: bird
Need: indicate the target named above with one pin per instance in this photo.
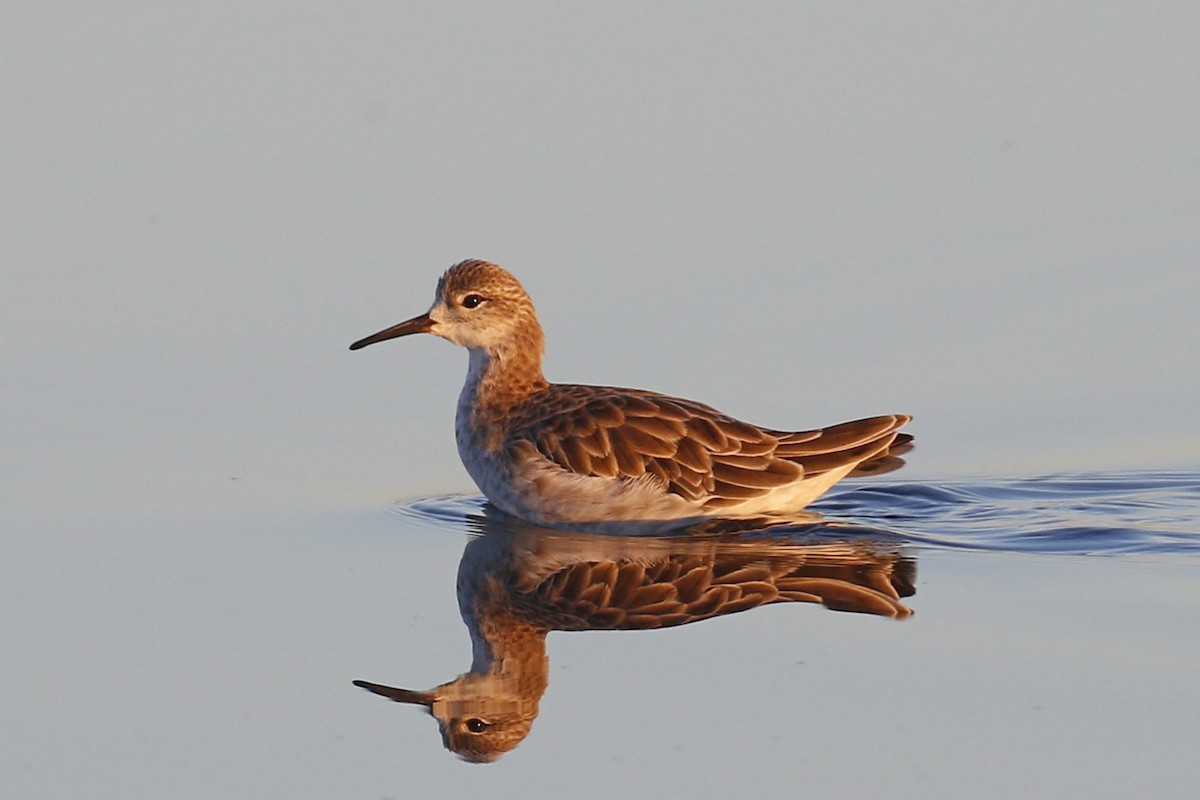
(597, 458)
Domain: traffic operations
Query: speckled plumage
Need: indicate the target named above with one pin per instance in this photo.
(593, 456)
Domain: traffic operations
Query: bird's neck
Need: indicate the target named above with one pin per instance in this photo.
(499, 379)
(508, 650)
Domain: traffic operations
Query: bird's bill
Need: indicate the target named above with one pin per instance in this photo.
(398, 695)
(421, 324)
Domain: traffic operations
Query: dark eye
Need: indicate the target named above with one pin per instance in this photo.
(472, 301)
(475, 724)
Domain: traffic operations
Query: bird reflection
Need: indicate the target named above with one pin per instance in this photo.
(516, 583)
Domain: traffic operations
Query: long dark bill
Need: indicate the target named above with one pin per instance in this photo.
(421, 324)
(399, 695)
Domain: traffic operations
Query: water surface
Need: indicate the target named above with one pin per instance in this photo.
(1016, 637)
(1018, 653)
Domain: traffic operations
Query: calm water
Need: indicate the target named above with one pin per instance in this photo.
(1031, 637)
(1038, 660)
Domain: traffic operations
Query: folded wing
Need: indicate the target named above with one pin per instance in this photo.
(693, 450)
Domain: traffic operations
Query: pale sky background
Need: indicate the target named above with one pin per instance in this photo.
(982, 215)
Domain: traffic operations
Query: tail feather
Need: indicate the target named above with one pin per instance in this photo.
(887, 461)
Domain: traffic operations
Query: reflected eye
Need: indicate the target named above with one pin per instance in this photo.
(475, 724)
(472, 301)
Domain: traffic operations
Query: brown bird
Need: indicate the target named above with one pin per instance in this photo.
(598, 457)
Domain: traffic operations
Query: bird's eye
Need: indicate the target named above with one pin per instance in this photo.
(472, 301)
(476, 725)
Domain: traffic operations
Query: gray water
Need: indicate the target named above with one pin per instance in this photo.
(1027, 637)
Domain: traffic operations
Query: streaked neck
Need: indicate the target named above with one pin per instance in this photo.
(500, 380)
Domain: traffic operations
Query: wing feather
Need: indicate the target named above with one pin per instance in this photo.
(706, 433)
(690, 449)
(845, 436)
(646, 444)
(575, 455)
(691, 454)
(595, 443)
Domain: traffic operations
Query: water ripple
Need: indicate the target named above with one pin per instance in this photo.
(1148, 512)
(1099, 513)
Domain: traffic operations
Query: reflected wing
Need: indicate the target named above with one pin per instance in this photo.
(680, 589)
